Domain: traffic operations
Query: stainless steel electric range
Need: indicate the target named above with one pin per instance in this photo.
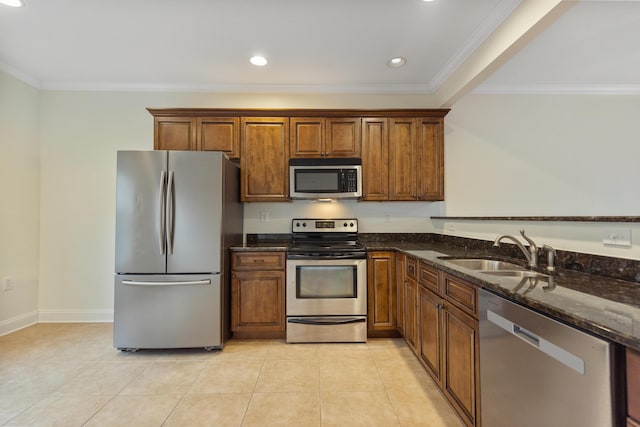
(326, 282)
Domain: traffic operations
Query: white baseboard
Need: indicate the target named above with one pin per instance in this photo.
(75, 316)
(18, 322)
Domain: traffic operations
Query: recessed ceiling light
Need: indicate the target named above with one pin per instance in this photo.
(396, 62)
(12, 3)
(260, 61)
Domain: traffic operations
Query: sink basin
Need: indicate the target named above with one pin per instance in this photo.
(484, 264)
(517, 274)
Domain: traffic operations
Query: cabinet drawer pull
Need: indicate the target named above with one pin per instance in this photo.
(258, 260)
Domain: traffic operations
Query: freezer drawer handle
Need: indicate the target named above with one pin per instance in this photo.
(180, 283)
(327, 321)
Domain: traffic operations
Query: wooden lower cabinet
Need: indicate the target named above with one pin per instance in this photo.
(411, 314)
(401, 276)
(430, 333)
(381, 295)
(441, 327)
(258, 295)
(461, 367)
(633, 388)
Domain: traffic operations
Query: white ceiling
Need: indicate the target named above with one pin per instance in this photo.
(320, 46)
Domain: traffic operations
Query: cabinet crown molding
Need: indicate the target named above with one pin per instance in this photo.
(297, 112)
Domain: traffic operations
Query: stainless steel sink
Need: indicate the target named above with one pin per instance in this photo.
(484, 264)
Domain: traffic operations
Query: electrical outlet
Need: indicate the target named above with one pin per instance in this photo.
(617, 237)
(264, 216)
(7, 283)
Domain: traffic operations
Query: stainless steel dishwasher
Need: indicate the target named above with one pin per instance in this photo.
(535, 371)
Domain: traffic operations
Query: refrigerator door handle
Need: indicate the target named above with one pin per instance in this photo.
(169, 213)
(176, 283)
(162, 220)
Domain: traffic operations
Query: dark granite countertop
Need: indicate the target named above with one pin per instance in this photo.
(257, 247)
(604, 306)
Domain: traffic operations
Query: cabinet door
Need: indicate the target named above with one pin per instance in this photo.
(219, 134)
(410, 314)
(459, 380)
(257, 301)
(403, 159)
(174, 133)
(431, 159)
(307, 137)
(381, 298)
(633, 384)
(375, 155)
(430, 332)
(343, 137)
(264, 160)
(401, 276)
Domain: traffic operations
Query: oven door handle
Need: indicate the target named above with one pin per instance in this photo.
(349, 255)
(327, 321)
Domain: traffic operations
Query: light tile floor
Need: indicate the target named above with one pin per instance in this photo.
(70, 375)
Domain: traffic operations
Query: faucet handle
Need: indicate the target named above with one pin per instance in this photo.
(531, 242)
(551, 257)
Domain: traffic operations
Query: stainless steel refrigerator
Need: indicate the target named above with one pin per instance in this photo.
(177, 213)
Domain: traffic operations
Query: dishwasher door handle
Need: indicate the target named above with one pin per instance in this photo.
(528, 336)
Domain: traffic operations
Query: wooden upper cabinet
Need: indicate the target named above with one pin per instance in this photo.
(403, 159)
(343, 137)
(325, 137)
(375, 155)
(402, 151)
(219, 134)
(264, 162)
(307, 137)
(174, 133)
(198, 134)
(431, 158)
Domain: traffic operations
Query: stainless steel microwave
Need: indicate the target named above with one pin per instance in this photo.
(314, 178)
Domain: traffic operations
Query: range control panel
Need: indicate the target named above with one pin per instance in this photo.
(311, 225)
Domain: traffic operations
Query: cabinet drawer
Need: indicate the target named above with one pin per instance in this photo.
(462, 294)
(412, 268)
(428, 277)
(633, 385)
(258, 260)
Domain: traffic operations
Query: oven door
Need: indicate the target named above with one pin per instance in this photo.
(326, 287)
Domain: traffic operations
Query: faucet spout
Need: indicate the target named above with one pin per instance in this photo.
(531, 254)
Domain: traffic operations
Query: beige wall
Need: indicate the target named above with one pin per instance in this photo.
(505, 155)
(543, 155)
(19, 202)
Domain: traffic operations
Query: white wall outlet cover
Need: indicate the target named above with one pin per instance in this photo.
(617, 237)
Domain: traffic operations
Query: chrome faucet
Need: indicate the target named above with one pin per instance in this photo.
(530, 254)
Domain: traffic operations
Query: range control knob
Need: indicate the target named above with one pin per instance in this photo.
(351, 224)
(345, 224)
(304, 224)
